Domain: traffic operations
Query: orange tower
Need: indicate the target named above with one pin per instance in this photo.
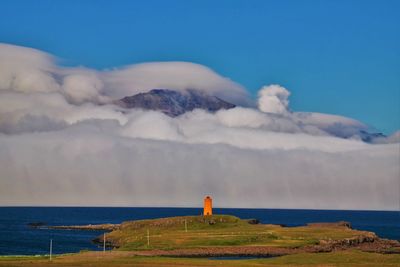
(207, 206)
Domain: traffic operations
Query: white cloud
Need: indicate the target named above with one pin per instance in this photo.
(151, 125)
(62, 142)
(273, 99)
(29, 70)
(391, 139)
(26, 70)
(84, 86)
(173, 75)
(85, 165)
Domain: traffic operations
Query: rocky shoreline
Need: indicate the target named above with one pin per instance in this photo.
(365, 243)
(89, 227)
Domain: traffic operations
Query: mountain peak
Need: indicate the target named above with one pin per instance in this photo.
(174, 103)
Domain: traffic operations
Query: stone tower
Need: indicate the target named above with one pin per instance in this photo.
(207, 206)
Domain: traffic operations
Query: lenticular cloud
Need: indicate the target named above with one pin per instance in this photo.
(64, 142)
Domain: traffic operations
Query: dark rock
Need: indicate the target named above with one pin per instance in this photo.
(344, 224)
(253, 221)
(99, 241)
(89, 227)
(174, 103)
(331, 224)
(36, 224)
(370, 137)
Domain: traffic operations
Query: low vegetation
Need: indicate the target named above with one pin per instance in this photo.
(220, 230)
(350, 258)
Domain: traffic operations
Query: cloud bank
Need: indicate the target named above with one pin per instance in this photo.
(28, 70)
(63, 142)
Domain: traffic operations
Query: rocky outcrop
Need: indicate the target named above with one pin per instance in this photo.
(331, 224)
(253, 221)
(365, 242)
(36, 224)
(92, 227)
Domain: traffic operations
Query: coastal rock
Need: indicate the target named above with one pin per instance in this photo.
(253, 221)
(91, 227)
(36, 224)
(331, 224)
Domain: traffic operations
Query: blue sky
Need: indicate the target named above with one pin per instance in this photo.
(340, 57)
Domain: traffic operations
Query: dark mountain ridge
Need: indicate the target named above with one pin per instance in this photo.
(174, 103)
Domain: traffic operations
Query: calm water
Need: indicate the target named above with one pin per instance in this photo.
(17, 238)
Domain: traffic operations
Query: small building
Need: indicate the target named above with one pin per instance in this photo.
(207, 206)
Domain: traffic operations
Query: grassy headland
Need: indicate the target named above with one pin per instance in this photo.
(229, 232)
(192, 240)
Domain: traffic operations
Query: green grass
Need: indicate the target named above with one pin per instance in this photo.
(351, 258)
(169, 233)
(21, 258)
(343, 258)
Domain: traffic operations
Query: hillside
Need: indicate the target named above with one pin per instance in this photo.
(229, 235)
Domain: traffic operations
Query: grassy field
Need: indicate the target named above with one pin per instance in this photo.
(219, 230)
(351, 258)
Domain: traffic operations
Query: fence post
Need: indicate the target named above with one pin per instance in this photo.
(148, 238)
(104, 242)
(51, 248)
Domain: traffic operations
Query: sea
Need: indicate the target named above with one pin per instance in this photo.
(17, 237)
